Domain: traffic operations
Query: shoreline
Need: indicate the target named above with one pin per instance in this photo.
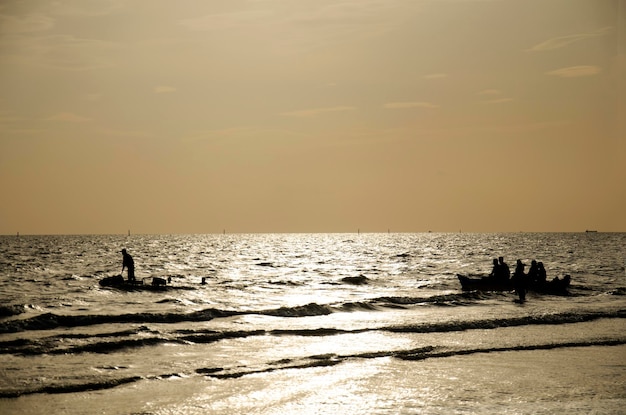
(528, 381)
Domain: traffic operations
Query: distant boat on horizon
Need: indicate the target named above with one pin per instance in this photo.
(589, 231)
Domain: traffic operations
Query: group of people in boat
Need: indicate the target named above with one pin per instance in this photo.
(501, 271)
(522, 281)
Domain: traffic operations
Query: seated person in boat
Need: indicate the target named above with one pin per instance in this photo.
(541, 273)
(495, 270)
(504, 273)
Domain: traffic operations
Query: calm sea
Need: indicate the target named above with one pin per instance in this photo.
(310, 323)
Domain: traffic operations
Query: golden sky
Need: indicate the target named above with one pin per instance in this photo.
(186, 116)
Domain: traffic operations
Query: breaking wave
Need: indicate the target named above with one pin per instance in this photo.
(142, 336)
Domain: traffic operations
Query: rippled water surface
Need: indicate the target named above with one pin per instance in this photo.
(306, 323)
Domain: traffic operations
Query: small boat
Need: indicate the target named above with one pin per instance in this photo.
(360, 280)
(158, 284)
(555, 287)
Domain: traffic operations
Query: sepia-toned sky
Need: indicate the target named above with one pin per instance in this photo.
(189, 116)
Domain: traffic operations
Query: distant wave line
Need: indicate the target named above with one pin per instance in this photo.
(55, 345)
(49, 321)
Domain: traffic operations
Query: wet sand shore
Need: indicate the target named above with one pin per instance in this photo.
(569, 380)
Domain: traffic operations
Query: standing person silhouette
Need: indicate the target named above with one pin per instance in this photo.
(533, 273)
(129, 264)
(519, 280)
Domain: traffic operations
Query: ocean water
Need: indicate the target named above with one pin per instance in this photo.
(310, 324)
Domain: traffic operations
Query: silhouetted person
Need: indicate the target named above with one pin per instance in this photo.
(541, 274)
(495, 270)
(532, 272)
(504, 273)
(519, 280)
(129, 264)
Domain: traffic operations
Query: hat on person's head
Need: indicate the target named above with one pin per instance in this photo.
(123, 251)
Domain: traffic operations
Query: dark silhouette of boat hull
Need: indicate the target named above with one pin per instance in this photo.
(119, 283)
(555, 287)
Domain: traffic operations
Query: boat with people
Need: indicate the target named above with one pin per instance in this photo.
(557, 286)
(156, 284)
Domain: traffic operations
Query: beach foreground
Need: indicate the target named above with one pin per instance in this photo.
(578, 380)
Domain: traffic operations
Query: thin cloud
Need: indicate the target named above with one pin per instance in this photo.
(497, 128)
(239, 132)
(8, 117)
(126, 133)
(86, 8)
(494, 94)
(436, 76)
(346, 20)
(316, 25)
(27, 24)
(562, 41)
(316, 111)
(61, 51)
(490, 92)
(361, 11)
(68, 117)
(225, 20)
(164, 89)
(499, 101)
(403, 105)
(576, 71)
(6, 129)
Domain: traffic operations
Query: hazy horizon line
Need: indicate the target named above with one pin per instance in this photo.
(358, 232)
